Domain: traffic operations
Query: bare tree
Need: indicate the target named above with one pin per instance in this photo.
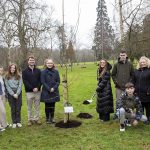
(29, 23)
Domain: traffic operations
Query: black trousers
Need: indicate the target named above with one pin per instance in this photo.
(49, 110)
(104, 117)
(146, 106)
(15, 105)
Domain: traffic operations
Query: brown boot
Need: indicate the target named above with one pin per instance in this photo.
(38, 122)
(29, 123)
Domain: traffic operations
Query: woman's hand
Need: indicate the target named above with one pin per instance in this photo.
(52, 90)
(15, 96)
(35, 90)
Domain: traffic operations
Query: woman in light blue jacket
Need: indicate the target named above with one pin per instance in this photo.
(13, 83)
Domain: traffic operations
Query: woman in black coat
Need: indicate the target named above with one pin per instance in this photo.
(50, 93)
(142, 84)
(104, 91)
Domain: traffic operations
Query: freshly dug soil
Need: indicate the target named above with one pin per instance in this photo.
(84, 115)
(69, 124)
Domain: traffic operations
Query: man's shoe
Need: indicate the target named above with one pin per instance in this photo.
(38, 122)
(128, 123)
(122, 127)
(29, 123)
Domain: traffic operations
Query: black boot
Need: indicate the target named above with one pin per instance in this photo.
(47, 113)
(106, 117)
(52, 117)
(101, 117)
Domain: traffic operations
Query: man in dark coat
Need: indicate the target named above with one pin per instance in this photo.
(122, 73)
(31, 79)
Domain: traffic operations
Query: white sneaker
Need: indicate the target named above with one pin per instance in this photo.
(14, 125)
(19, 125)
(2, 129)
(128, 123)
(122, 127)
(9, 125)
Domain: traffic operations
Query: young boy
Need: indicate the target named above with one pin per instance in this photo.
(130, 108)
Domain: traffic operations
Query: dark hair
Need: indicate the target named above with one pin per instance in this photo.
(16, 73)
(129, 85)
(123, 50)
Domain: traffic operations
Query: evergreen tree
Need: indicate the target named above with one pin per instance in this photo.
(70, 53)
(103, 33)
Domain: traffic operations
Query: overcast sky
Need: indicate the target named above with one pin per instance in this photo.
(88, 16)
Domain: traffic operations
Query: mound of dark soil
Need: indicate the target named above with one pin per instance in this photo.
(84, 115)
(86, 102)
(69, 124)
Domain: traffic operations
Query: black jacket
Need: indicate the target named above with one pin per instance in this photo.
(104, 94)
(31, 79)
(142, 83)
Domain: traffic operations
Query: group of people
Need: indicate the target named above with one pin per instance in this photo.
(33, 79)
(132, 91)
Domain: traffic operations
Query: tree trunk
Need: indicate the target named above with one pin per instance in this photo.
(121, 23)
(65, 94)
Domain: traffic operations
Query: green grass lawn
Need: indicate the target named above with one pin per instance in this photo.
(91, 135)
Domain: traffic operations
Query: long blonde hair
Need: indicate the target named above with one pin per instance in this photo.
(147, 61)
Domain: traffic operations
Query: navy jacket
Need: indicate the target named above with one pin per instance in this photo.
(31, 79)
(50, 79)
